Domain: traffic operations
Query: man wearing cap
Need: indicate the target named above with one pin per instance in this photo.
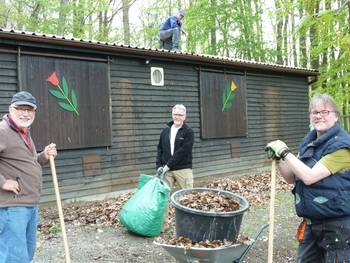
(170, 32)
(20, 180)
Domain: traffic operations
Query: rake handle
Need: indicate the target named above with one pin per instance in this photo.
(272, 211)
(59, 207)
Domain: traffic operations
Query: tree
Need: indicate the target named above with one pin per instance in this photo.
(126, 24)
(3, 13)
(331, 26)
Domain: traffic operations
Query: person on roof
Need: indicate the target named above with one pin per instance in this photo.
(169, 34)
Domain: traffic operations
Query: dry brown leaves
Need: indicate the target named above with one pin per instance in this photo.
(208, 201)
(256, 188)
(100, 213)
(188, 243)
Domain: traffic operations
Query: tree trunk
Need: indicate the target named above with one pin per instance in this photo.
(260, 51)
(285, 41)
(62, 18)
(213, 29)
(126, 25)
(294, 51)
(315, 60)
(303, 58)
(279, 35)
(34, 21)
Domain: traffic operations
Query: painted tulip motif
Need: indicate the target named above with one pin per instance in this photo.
(68, 103)
(228, 95)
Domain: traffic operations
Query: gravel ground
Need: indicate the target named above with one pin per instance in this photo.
(94, 243)
(100, 244)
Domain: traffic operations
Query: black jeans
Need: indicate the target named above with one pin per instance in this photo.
(326, 242)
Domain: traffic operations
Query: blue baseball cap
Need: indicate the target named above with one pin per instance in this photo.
(182, 13)
(24, 98)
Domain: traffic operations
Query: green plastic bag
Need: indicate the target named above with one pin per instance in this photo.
(143, 213)
(143, 179)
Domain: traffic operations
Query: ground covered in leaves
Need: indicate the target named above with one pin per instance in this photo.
(95, 234)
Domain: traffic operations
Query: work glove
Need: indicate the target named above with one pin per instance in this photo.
(271, 154)
(277, 150)
(165, 169)
(159, 171)
(162, 170)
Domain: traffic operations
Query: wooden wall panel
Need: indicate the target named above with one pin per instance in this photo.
(88, 125)
(276, 107)
(223, 105)
(8, 80)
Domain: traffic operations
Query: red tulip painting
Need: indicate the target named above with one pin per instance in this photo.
(228, 95)
(68, 103)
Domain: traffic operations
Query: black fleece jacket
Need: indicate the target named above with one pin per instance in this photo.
(182, 157)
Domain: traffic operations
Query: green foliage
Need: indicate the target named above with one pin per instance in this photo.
(333, 49)
(307, 33)
(237, 26)
(55, 229)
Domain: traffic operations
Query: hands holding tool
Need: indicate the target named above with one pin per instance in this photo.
(277, 150)
(50, 150)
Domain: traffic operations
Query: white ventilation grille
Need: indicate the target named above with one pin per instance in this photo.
(157, 76)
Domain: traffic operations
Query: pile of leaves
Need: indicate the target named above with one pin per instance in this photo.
(88, 213)
(255, 188)
(208, 201)
(187, 243)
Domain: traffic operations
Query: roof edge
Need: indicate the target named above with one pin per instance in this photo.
(152, 53)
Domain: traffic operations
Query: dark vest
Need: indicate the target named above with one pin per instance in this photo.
(330, 197)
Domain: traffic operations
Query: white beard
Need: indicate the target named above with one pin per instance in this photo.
(22, 122)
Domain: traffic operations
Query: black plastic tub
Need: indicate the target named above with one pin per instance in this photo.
(202, 225)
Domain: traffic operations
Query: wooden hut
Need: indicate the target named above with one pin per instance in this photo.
(104, 105)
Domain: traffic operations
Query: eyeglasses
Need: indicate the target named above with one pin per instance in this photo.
(323, 113)
(23, 110)
(178, 115)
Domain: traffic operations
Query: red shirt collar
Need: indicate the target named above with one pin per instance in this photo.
(24, 133)
(11, 122)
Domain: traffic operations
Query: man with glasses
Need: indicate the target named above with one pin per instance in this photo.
(321, 175)
(174, 157)
(20, 180)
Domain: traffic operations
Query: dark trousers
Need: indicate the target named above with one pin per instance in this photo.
(326, 242)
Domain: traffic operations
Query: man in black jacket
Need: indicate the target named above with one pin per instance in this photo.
(174, 158)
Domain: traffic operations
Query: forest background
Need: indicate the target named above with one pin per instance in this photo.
(299, 33)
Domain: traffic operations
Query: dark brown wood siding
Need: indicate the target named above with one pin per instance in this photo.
(140, 110)
(276, 109)
(8, 80)
(223, 104)
(86, 123)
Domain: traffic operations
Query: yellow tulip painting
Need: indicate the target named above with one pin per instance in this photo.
(228, 95)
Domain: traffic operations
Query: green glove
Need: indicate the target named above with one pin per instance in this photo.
(271, 154)
(277, 150)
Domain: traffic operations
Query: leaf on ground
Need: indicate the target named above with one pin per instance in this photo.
(255, 188)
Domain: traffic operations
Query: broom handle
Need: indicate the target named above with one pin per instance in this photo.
(59, 207)
(272, 211)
